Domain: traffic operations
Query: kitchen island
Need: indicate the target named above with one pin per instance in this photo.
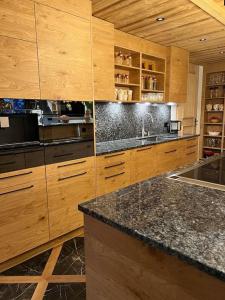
(158, 239)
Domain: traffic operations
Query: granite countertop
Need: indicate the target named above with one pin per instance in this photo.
(132, 143)
(182, 219)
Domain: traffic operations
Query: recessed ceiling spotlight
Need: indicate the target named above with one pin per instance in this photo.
(160, 19)
(222, 52)
(203, 39)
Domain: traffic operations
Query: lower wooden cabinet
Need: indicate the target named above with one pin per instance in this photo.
(68, 184)
(23, 211)
(112, 172)
(190, 150)
(143, 163)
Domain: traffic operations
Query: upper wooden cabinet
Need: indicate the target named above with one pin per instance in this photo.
(64, 49)
(177, 75)
(17, 19)
(103, 59)
(19, 69)
(80, 8)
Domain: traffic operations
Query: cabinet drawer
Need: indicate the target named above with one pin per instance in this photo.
(191, 156)
(61, 153)
(169, 156)
(191, 142)
(64, 195)
(72, 167)
(15, 179)
(12, 162)
(112, 159)
(143, 163)
(109, 183)
(23, 219)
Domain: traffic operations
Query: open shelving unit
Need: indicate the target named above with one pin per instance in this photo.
(141, 67)
(214, 97)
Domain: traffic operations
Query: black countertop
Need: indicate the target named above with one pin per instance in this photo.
(182, 219)
(126, 144)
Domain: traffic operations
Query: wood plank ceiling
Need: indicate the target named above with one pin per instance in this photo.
(185, 24)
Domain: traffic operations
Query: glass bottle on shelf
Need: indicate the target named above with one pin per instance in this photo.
(142, 82)
(119, 58)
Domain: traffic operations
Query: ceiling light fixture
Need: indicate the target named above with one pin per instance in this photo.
(160, 19)
(203, 39)
(222, 52)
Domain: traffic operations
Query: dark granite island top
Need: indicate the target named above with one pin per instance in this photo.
(132, 143)
(183, 220)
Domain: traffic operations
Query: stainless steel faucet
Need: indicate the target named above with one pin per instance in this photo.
(143, 132)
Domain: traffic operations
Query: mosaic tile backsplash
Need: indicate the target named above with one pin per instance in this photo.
(122, 121)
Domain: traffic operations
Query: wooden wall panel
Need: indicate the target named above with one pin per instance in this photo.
(103, 59)
(64, 47)
(19, 69)
(17, 19)
(129, 41)
(80, 8)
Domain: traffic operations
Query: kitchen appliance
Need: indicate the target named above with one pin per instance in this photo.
(173, 126)
(208, 174)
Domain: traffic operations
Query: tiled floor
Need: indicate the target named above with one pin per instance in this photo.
(55, 274)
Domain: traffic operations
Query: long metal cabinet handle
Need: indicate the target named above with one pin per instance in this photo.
(17, 175)
(72, 176)
(175, 150)
(108, 177)
(18, 190)
(73, 164)
(116, 165)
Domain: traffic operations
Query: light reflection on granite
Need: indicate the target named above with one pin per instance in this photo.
(65, 291)
(17, 291)
(182, 219)
(71, 260)
(126, 144)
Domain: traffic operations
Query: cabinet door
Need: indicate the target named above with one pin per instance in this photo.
(113, 172)
(19, 69)
(169, 156)
(144, 163)
(177, 75)
(23, 212)
(17, 19)
(68, 184)
(64, 49)
(80, 8)
(103, 59)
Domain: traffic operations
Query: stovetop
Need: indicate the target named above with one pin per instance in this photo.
(210, 173)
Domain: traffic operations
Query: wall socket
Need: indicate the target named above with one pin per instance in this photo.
(4, 122)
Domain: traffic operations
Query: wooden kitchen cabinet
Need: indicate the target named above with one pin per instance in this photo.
(113, 172)
(17, 19)
(103, 59)
(190, 150)
(65, 59)
(68, 184)
(78, 8)
(19, 69)
(177, 75)
(23, 211)
(144, 164)
(169, 156)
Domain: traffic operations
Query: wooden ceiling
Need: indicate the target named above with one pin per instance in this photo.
(186, 22)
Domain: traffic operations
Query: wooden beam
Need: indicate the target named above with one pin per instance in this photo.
(211, 8)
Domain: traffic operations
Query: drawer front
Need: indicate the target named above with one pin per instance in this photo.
(191, 142)
(112, 159)
(65, 192)
(144, 163)
(61, 153)
(72, 167)
(23, 219)
(107, 183)
(15, 179)
(12, 162)
(169, 156)
(191, 156)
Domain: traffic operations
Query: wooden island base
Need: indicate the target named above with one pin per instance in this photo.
(120, 267)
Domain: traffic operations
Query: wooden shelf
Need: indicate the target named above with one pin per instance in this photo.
(151, 91)
(211, 136)
(213, 123)
(213, 85)
(214, 111)
(152, 72)
(215, 148)
(117, 101)
(127, 84)
(127, 67)
(214, 98)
